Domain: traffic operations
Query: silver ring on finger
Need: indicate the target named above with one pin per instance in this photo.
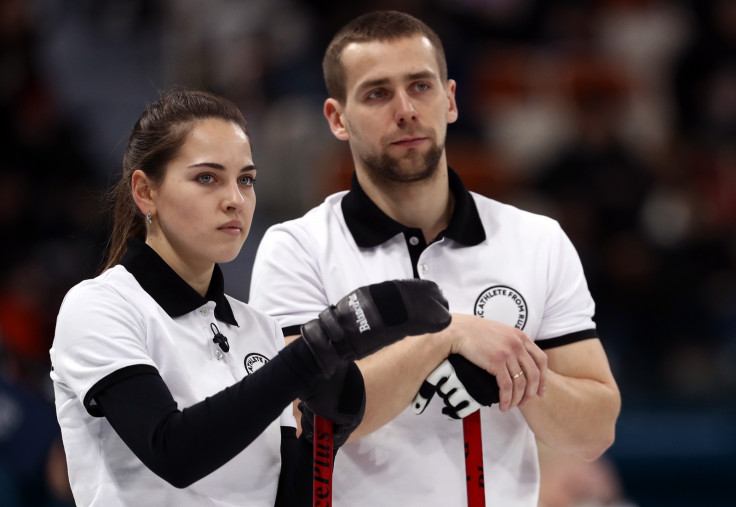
(514, 377)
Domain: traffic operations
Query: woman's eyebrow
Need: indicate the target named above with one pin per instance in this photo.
(220, 167)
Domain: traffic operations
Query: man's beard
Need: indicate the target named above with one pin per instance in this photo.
(389, 169)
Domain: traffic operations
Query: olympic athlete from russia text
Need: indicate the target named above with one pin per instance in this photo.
(170, 392)
(522, 343)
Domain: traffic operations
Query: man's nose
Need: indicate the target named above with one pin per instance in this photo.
(405, 111)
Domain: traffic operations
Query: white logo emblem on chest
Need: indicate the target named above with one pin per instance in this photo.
(253, 361)
(502, 304)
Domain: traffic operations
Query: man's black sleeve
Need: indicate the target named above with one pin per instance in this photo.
(184, 445)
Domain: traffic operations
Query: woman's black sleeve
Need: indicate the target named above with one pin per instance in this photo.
(295, 481)
(182, 446)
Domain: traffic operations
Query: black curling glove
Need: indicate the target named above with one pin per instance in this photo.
(462, 385)
(372, 317)
(341, 399)
(479, 384)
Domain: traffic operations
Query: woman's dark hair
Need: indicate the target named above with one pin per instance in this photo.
(154, 142)
(374, 26)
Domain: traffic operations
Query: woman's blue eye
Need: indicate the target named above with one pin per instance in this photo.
(247, 181)
(205, 178)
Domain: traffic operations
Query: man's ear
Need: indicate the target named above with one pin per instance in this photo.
(142, 189)
(333, 112)
(452, 112)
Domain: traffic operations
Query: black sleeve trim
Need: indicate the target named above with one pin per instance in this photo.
(567, 339)
(113, 378)
(292, 330)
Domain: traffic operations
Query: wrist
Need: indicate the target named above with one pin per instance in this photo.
(451, 337)
(445, 342)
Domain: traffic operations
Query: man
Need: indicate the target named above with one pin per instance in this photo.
(513, 280)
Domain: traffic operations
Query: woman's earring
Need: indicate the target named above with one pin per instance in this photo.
(149, 217)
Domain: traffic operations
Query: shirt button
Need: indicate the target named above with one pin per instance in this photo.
(204, 311)
(424, 269)
(414, 241)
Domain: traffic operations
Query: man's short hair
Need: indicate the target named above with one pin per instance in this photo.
(374, 26)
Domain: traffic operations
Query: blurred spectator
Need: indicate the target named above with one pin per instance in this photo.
(50, 220)
(32, 468)
(703, 76)
(568, 481)
(596, 185)
(50, 214)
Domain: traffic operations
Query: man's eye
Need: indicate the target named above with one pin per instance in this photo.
(376, 94)
(421, 87)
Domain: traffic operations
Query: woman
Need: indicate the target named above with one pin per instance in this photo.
(170, 392)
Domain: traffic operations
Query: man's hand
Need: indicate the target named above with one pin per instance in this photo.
(504, 352)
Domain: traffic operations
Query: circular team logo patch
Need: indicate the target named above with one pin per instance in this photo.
(254, 361)
(502, 304)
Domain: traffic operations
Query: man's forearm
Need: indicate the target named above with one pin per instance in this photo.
(394, 374)
(576, 415)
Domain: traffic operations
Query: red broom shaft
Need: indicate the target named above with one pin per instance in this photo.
(323, 462)
(474, 460)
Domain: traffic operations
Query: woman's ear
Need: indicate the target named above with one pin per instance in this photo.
(142, 189)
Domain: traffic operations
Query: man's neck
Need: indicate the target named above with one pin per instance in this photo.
(425, 205)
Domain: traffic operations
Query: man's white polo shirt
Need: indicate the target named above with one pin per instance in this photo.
(111, 326)
(493, 260)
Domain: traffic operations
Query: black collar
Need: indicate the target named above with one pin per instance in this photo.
(174, 295)
(370, 226)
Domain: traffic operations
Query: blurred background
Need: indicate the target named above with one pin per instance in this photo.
(616, 117)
